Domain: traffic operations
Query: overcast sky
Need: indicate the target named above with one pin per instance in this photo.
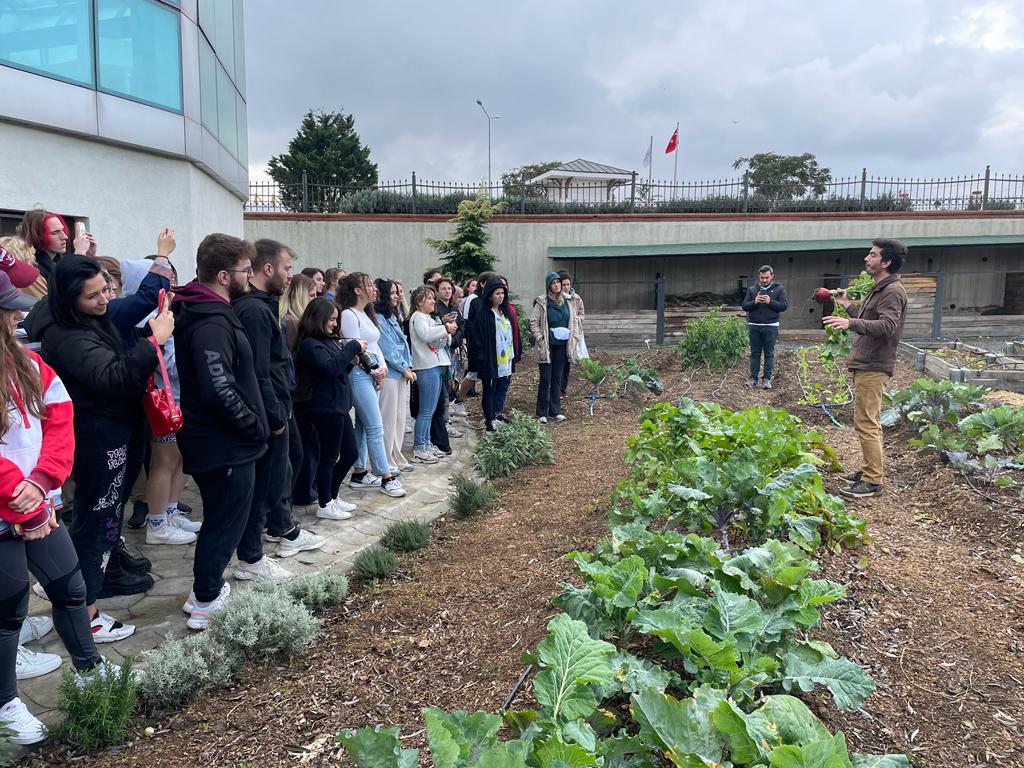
(903, 87)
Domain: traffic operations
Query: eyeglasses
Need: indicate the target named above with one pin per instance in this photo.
(247, 270)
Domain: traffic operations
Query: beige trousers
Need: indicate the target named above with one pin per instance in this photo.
(867, 410)
(394, 408)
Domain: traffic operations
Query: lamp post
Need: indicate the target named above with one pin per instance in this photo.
(489, 120)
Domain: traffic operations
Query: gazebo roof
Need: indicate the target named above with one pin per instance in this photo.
(584, 169)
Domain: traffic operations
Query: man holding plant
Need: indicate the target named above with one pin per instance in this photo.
(877, 322)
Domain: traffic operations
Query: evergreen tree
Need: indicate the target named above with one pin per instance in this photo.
(465, 254)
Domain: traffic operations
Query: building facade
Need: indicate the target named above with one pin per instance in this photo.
(129, 115)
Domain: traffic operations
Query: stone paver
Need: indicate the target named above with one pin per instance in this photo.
(158, 613)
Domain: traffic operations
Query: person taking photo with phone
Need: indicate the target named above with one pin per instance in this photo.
(763, 304)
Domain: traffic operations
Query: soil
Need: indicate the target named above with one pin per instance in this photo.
(935, 609)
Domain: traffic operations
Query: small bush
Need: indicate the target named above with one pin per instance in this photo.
(318, 591)
(405, 536)
(9, 751)
(260, 625)
(717, 342)
(374, 563)
(513, 444)
(97, 711)
(181, 669)
(468, 496)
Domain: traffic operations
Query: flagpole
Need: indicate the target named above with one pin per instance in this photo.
(650, 166)
(675, 168)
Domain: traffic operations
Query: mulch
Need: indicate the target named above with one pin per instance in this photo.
(935, 608)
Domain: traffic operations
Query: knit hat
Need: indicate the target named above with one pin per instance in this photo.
(552, 276)
(11, 297)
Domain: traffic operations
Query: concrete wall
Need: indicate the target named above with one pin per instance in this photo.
(395, 248)
(125, 195)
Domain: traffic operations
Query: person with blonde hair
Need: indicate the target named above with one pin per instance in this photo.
(22, 251)
(300, 291)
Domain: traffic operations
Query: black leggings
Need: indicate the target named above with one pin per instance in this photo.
(52, 560)
(337, 453)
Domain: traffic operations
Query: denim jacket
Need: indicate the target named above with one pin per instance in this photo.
(395, 347)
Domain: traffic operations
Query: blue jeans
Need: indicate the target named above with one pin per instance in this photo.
(762, 339)
(429, 382)
(369, 426)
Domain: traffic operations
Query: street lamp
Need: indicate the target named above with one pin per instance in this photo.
(489, 120)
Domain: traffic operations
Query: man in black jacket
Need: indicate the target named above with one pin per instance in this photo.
(225, 426)
(763, 304)
(272, 495)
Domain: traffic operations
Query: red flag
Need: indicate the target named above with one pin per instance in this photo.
(673, 142)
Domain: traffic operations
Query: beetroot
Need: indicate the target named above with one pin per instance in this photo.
(822, 295)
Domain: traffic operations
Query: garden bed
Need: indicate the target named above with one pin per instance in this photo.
(959, 361)
(934, 610)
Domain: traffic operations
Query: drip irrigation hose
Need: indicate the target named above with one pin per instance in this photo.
(827, 412)
(985, 496)
(515, 689)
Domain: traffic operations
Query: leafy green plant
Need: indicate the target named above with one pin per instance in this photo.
(97, 710)
(181, 669)
(374, 563)
(317, 591)
(629, 374)
(927, 401)
(405, 536)
(9, 751)
(714, 341)
(262, 625)
(468, 496)
(513, 444)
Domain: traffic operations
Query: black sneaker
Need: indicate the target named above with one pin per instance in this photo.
(140, 510)
(121, 581)
(851, 477)
(184, 508)
(861, 490)
(121, 556)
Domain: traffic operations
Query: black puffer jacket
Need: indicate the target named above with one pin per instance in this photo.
(322, 370)
(225, 424)
(257, 310)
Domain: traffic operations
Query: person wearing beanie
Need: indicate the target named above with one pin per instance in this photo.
(553, 323)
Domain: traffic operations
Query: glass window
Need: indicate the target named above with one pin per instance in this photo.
(139, 51)
(208, 85)
(224, 45)
(243, 132)
(226, 118)
(53, 39)
(239, 49)
(208, 19)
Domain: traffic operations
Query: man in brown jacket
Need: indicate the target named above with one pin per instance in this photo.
(877, 322)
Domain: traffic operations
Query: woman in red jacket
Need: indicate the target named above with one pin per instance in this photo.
(37, 447)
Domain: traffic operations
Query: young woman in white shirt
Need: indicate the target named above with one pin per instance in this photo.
(428, 338)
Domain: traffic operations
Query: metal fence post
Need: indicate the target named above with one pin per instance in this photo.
(305, 193)
(659, 334)
(863, 186)
(414, 191)
(522, 192)
(746, 190)
(984, 194)
(940, 285)
(632, 193)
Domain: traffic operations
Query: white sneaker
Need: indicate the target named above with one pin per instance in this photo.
(560, 417)
(180, 520)
(542, 419)
(168, 533)
(408, 429)
(458, 409)
(306, 541)
(190, 604)
(335, 510)
(107, 629)
(34, 627)
(32, 664)
(25, 727)
(200, 618)
(453, 432)
(407, 468)
(369, 480)
(263, 569)
(393, 487)
(424, 456)
(437, 451)
(37, 588)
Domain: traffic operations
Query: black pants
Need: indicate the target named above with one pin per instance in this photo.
(564, 384)
(337, 452)
(549, 390)
(273, 475)
(762, 339)
(492, 391)
(53, 561)
(227, 496)
(439, 420)
(105, 450)
(303, 453)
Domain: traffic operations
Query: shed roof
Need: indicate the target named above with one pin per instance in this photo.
(584, 168)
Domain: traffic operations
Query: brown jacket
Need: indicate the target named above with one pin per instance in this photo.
(878, 323)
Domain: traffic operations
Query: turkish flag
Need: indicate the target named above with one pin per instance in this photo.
(673, 142)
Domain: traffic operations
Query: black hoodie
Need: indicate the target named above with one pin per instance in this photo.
(257, 310)
(481, 332)
(224, 421)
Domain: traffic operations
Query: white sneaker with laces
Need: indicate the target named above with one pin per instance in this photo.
(453, 432)
(392, 487)
(369, 480)
(180, 520)
(407, 468)
(190, 604)
(458, 409)
(437, 451)
(168, 533)
(31, 664)
(560, 417)
(305, 542)
(37, 588)
(424, 456)
(335, 511)
(201, 612)
(107, 629)
(542, 419)
(25, 727)
(263, 569)
(34, 627)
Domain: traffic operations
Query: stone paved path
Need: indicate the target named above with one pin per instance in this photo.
(158, 612)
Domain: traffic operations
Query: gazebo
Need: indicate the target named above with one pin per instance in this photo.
(579, 180)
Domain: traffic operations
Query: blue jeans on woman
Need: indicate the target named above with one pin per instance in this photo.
(429, 382)
(369, 426)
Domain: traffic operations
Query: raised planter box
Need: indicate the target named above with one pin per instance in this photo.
(998, 371)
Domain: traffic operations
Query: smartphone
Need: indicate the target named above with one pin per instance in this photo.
(160, 299)
(79, 228)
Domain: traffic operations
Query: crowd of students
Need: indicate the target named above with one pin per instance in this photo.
(287, 385)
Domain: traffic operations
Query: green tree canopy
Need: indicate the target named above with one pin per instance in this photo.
(783, 177)
(465, 254)
(329, 150)
(511, 180)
